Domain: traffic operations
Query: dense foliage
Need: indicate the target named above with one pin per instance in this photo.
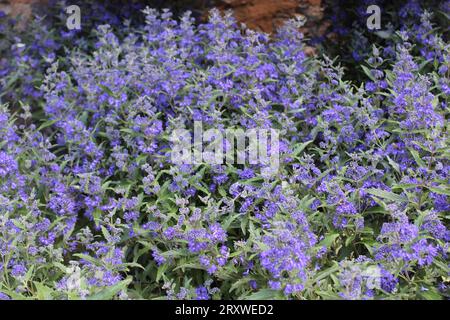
(91, 205)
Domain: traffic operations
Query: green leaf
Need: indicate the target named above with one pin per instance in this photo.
(15, 295)
(368, 73)
(46, 124)
(43, 292)
(440, 190)
(416, 157)
(435, 102)
(107, 90)
(431, 294)
(328, 295)
(239, 283)
(386, 195)
(404, 186)
(29, 274)
(300, 148)
(325, 273)
(349, 240)
(110, 292)
(222, 192)
(203, 189)
(394, 164)
(86, 257)
(161, 269)
(441, 265)
(97, 214)
(133, 264)
(106, 233)
(264, 294)
(328, 240)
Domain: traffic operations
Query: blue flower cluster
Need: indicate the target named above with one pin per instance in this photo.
(92, 205)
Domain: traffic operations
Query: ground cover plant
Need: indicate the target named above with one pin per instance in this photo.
(93, 207)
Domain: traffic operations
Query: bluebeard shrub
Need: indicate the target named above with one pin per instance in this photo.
(26, 55)
(92, 205)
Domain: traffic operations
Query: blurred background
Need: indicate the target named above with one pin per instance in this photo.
(264, 15)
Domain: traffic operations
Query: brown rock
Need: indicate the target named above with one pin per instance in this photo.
(21, 8)
(267, 15)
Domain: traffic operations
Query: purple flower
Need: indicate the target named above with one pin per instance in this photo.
(18, 270)
(202, 293)
(246, 173)
(8, 164)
